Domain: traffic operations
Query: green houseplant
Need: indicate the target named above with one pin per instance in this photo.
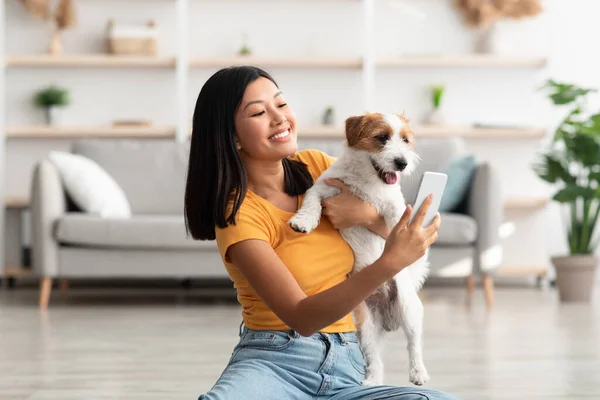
(435, 116)
(49, 99)
(572, 163)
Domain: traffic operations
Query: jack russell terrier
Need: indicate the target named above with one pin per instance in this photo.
(380, 147)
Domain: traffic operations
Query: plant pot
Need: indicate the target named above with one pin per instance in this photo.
(52, 115)
(435, 117)
(328, 117)
(575, 277)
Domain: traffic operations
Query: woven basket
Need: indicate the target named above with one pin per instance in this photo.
(128, 42)
(132, 46)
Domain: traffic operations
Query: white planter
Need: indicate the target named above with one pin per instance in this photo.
(53, 115)
(435, 117)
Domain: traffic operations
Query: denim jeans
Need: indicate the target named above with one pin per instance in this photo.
(282, 365)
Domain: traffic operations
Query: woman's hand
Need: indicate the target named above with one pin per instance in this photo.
(406, 242)
(346, 210)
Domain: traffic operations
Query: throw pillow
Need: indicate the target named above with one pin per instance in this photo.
(90, 187)
(460, 172)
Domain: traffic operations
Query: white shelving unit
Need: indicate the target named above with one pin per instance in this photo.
(182, 65)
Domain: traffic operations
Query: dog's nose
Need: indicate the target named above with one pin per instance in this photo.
(400, 163)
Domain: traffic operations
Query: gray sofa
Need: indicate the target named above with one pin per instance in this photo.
(67, 243)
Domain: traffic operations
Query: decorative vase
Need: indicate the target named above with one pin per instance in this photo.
(435, 117)
(55, 47)
(575, 277)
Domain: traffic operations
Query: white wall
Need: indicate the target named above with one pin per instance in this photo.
(566, 33)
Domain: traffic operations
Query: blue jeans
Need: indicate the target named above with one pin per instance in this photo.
(282, 365)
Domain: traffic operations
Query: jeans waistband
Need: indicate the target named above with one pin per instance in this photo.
(337, 337)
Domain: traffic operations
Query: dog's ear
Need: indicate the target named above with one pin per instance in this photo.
(353, 129)
(403, 117)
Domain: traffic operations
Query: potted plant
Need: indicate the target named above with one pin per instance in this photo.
(572, 162)
(485, 15)
(328, 116)
(50, 98)
(245, 50)
(436, 116)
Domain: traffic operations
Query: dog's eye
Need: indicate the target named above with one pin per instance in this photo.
(405, 140)
(382, 138)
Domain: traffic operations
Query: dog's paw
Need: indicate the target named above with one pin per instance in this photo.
(418, 376)
(372, 381)
(303, 223)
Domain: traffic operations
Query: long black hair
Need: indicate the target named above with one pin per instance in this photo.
(216, 173)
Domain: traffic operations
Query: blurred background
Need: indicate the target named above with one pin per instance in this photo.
(103, 296)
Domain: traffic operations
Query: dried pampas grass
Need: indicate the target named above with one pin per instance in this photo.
(482, 13)
(37, 8)
(65, 14)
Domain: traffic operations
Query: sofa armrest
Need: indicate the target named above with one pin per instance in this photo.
(485, 205)
(48, 203)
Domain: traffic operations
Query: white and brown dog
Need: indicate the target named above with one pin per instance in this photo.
(379, 148)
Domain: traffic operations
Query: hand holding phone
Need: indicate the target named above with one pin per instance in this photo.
(431, 183)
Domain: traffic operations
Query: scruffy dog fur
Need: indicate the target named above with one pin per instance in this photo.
(380, 147)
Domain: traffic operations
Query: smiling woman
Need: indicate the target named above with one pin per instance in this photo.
(246, 179)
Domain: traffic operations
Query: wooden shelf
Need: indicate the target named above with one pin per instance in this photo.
(59, 132)
(525, 203)
(521, 271)
(474, 132)
(267, 62)
(16, 202)
(462, 61)
(89, 61)
(437, 131)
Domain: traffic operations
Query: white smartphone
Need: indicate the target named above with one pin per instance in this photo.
(431, 182)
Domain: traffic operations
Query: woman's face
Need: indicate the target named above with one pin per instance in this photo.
(265, 125)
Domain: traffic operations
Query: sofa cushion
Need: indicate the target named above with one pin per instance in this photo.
(150, 172)
(139, 232)
(457, 229)
(460, 175)
(89, 186)
(436, 155)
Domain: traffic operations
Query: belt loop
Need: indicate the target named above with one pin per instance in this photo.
(293, 334)
(343, 338)
(241, 330)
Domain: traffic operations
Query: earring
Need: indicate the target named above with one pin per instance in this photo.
(239, 146)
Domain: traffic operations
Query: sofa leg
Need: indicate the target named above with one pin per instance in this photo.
(63, 286)
(45, 290)
(488, 289)
(470, 282)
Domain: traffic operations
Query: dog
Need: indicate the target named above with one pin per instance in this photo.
(379, 148)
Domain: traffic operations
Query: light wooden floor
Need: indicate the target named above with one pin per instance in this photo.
(128, 345)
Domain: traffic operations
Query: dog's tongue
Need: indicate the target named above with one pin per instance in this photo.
(391, 178)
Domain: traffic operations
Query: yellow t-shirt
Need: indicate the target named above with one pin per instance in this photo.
(317, 261)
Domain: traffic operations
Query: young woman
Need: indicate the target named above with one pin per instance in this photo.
(246, 178)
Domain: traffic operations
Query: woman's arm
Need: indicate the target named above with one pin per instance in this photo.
(346, 210)
(276, 286)
(379, 226)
